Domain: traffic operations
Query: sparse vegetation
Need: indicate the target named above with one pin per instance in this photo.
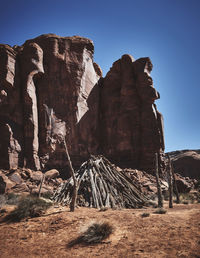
(160, 211)
(28, 207)
(192, 197)
(145, 214)
(95, 233)
(10, 199)
(47, 195)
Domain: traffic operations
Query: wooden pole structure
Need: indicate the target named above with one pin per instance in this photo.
(72, 173)
(170, 182)
(159, 191)
(41, 183)
(174, 184)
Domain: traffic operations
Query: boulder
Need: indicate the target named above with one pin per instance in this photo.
(16, 178)
(44, 189)
(20, 188)
(5, 183)
(36, 176)
(183, 185)
(51, 174)
(28, 172)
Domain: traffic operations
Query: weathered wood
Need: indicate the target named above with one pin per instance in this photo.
(41, 183)
(101, 185)
(159, 191)
(174, 184)
(170, 182)
(72, 173)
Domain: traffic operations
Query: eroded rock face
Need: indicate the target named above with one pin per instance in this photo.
(47, 74)
(186, 163)
(132, 128)
(50, 88)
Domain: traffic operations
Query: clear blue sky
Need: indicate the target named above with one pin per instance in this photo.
(168, 31)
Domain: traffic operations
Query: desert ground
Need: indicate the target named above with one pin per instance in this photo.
(174, 234)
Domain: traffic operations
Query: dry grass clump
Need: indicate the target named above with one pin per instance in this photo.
(191, 197)
(145, 214)
(9, 199)
(28, 207)
(95, 233)
(12, 199)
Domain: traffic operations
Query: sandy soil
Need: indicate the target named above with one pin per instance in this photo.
(174, 234)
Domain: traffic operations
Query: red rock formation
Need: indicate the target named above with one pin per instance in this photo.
(132, 128)
(50, 88)
(186, 163)
(51, 70)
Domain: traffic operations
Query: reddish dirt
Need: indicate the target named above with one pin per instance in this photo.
(174, 234)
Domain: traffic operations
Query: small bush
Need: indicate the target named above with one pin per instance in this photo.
(187, 198)
(95, 233)
(28, 207)
(2, 200)
(160, 211)
(47, 195)
(145, 214)
(12, 199)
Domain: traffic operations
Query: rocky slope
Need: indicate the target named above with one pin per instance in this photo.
(186, 163)
(51, 89)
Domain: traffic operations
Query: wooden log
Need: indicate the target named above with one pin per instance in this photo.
(95, 199)
(75, 187)
(159, 192)
(174, 184)
(41, 183)
(170, 182)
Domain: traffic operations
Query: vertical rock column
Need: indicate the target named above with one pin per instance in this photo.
(151, 125)
(32, 63)
(10, 117)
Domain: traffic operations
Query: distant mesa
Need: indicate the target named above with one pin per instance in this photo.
(51, 88)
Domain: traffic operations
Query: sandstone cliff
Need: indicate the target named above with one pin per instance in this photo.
(50, 88)
(186, 163)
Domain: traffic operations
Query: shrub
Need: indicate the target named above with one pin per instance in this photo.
(47, 195)
(12, 199)
(152, 203)
(145, 214)
(160, 211)
(95, 233)
(28, 207)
